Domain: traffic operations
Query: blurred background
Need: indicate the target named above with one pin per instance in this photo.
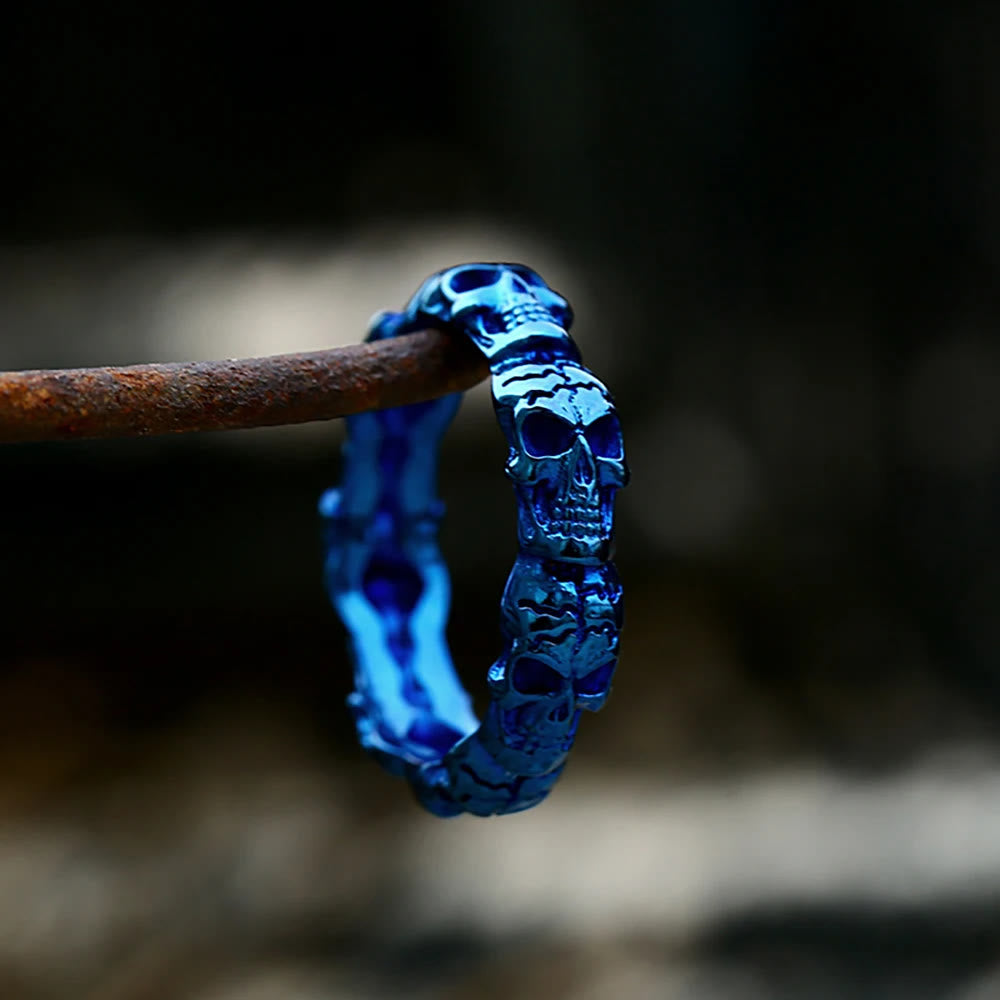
(780, 228)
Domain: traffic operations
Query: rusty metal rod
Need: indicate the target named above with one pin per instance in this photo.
(73, 403)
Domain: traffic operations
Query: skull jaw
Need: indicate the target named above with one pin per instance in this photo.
(566, 531)
(524, 740)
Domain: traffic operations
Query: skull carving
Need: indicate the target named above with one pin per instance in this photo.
(500, 306)
(566, 458)
(561, 621)
(537, 601)
(532, 720)
(533, 717)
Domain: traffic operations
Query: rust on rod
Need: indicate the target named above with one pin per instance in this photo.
(75, 403)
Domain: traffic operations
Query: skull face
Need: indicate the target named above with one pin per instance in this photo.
(566, 458)
(533, 717)
(499, 306)
(538, 697)
(514, 292)
(572, 618)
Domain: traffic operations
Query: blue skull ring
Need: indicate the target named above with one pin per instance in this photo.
(561, 611)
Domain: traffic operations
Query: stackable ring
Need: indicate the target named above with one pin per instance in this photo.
(561, 611)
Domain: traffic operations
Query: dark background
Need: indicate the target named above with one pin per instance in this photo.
(778, 222)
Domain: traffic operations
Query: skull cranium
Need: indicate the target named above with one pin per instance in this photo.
(502, 307)
(566, 457)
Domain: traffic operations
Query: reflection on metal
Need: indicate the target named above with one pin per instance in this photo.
(562, 608)
(223, 395)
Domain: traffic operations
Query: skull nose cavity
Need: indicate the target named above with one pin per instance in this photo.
(585, 469)
(560, 713)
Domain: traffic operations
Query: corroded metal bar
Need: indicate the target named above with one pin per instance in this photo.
(64, 404)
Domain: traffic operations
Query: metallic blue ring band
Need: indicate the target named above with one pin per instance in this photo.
(561, 611)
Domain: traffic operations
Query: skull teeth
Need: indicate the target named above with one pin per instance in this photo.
(526, 313)
(579, 523)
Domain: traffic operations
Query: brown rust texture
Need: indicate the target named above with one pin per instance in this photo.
(220, 395)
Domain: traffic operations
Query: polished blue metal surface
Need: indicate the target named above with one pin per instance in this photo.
(561, 610)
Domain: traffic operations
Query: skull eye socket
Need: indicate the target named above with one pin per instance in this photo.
(531, 676)
(604, 436)
(527, 275)
(470, 278)
(596, 682)
(546, 434)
